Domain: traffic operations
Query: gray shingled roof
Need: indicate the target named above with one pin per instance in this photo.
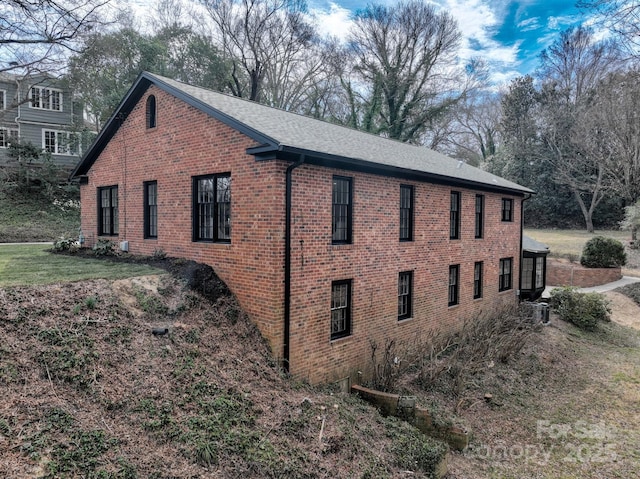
(529, 244)
(284, 130)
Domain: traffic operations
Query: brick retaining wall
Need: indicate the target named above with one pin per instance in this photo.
(562, 273)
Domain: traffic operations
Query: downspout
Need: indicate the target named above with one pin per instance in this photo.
(526, 197)
(287, 263)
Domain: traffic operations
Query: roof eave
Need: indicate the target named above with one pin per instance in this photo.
(290, 153)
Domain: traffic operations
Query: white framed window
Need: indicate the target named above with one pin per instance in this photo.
(59, 142)
(6, 136)
(3, 99)
(45, 98)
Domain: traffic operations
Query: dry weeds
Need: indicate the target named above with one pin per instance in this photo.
(89, 391)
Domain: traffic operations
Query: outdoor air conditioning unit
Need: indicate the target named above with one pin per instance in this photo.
(124, 246)
(540, 312)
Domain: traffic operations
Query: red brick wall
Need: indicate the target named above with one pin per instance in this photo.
(560, 273)
(374, 260)
(188, 143)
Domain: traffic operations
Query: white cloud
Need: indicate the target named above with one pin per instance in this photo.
(560, 23)
(529, 24)
(478, 20)
(334, 22)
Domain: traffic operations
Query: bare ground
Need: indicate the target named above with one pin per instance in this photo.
(89, 391)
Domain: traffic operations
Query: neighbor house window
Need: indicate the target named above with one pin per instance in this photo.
(454, 227)
(506, 265)
(151, 111)
(59, 142)
(212, 208)
(405, 281)
(477, 280)
(108, 211)
(3, 100)
(151, 209)
(340, 309)
(406, 213)
(479, 216)
(45, 98)
(454, 280)
(507, 209)
(7, 135)
(341, 210)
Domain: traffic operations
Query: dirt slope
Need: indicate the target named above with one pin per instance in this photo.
(89, 391)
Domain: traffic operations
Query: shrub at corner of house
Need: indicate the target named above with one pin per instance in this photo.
(584, 310)
(601, 252)
(104, 247)
(64, 244)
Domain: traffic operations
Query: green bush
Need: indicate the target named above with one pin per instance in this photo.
(584, 310)
(601, 252)
(104, 247)
(632, 291)
(64, 244)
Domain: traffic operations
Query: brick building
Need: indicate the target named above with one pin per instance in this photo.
(330, 238)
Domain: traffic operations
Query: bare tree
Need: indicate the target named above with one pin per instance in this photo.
(570, 69)
(406, 59)
(477, 123)
(576, 63)
(621, 17)
(573, 149)
(36, 35)
(263, 39)
(616, 115)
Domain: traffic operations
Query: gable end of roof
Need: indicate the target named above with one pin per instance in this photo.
(137, 90)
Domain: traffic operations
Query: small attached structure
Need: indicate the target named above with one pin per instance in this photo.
(534, 268)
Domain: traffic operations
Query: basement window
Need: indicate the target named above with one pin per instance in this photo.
(504, 280)
(405, 289)
(454, 282)
(340, 309)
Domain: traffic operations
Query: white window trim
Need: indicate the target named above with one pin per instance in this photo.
(57, 145)
(41, 88)
(9, 132)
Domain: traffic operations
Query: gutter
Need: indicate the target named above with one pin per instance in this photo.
(287, 263)
(526, 197)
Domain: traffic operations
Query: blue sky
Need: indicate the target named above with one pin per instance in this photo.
(508, 34)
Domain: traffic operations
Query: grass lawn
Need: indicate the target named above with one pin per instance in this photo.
(31, 264)
(564, 243)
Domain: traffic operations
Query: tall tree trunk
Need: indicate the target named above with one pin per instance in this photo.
(586, 212)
